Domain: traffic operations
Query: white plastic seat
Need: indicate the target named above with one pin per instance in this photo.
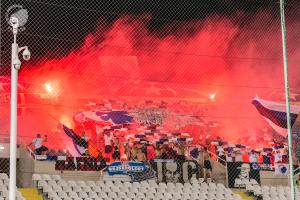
(253, 182)
(86, 189)
(109, 183)
(81, 183)
(134, 190)
(52, 183)
(93, 195)
(91, 183)
(162, 185)
(136, 184)
(71, 183)
(73, 194)
(168, 196)
(143, 190)
(102, 195)
(127, 184)
(97, 189)
(83, 195)
(67, 188)
(57, 188)
(100, 184)
(140, 195)
(52, 195)
(3, 176)
(238, 183)
(62, 194)
(46, 177)
(3, 188)
(41, 184)
(122, 195)
(47, 188)
(124, 189)
(62, 183)
(56, 177)
(113, 196)
(36, 177)
(77, 189)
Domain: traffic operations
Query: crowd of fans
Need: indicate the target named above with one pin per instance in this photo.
(265, 157)
(180, 150)
(115, 148)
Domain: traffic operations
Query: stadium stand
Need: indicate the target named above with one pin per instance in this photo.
(54, 188)
(4, 181)
(274, 193)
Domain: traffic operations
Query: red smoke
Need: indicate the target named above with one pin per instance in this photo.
(197, 59)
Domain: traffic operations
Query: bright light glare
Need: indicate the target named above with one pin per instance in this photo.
(49, 87)
(67, 121)
(212, 96)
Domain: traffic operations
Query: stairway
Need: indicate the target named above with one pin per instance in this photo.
(244, 196)
(30, 194)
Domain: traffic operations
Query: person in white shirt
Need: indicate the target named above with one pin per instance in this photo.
(238, 156)
(107, 141)
(39, 148)
(221, 154)
(252, 157)
(278, 157)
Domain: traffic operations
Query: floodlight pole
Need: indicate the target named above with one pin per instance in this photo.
(15, 66)
(287, 100)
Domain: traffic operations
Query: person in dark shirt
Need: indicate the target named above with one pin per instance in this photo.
(116, 154)
(207, 164)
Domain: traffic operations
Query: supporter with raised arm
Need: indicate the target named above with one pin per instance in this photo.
(39, 148)
(116, 154)
(86, 139)
(107, 141)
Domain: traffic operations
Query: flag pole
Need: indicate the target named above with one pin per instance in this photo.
(287, 99)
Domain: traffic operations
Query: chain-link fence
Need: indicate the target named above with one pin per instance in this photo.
(174, 91)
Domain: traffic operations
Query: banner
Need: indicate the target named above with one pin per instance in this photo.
(243, 171)
(176, 170)
(124, 168)
(79, 163)
(281, 169)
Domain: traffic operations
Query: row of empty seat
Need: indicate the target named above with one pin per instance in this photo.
(272, 193)
(4, 183)
(53, 187)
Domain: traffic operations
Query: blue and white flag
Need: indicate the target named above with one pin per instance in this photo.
(275, 114)
(114, 117)
(80, 144)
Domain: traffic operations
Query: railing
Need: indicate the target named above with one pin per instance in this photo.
(224, 162)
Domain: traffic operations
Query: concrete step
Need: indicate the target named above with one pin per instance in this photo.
(31, 194)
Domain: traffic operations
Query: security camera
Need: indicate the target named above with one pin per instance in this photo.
(26, 54)
(17, 63)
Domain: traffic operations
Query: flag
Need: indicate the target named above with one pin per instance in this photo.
(113, 117)
(80, 144)
(281, 169)
(275, 114)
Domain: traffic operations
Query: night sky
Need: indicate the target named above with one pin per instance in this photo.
(56, 26)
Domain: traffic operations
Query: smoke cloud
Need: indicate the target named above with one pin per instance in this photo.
(195, 59)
